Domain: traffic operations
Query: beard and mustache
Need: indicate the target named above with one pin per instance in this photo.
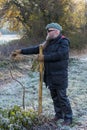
(48, 39)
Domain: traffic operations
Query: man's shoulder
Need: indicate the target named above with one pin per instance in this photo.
(64, 39)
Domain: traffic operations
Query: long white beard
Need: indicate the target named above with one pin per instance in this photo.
(48, 38)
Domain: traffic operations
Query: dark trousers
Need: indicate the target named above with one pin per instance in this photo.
(61, 104)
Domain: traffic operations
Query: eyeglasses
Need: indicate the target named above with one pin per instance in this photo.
(50, 30)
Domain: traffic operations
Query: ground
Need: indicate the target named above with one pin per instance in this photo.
(77, 91)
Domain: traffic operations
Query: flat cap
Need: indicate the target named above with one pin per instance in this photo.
(54, 25)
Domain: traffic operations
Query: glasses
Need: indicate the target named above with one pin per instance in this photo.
(50, 30)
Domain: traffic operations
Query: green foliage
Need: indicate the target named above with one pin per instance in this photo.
(35, 66)
(77, 40)
(18, 119)
(3, 63)
(32, 17)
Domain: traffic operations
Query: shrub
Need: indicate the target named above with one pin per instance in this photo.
(18, 119)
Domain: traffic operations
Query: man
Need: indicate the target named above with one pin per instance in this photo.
(55, 57)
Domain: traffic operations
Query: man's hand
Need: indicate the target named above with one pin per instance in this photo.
(40, 58)
(15, 53)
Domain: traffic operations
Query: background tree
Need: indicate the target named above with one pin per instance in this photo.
(31, 16)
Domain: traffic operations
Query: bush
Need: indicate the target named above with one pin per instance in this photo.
(77, 41)
(18, 119)
(6, 49)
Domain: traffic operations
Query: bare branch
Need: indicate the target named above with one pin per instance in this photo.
(23, 87)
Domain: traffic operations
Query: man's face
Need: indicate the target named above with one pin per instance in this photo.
(52, 33)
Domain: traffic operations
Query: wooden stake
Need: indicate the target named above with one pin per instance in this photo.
(40, 82)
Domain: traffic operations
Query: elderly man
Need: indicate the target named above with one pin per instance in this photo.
(55, 57)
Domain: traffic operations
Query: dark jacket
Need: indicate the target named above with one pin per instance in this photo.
(56, 55)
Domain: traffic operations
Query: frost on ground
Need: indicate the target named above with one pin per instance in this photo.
(11, 93)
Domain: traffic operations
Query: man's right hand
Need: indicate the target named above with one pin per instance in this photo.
(15, 53)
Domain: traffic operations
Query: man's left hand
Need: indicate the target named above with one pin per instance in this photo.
(40, 58)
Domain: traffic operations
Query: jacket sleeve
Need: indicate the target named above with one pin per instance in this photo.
(30, 50)
(61, 54)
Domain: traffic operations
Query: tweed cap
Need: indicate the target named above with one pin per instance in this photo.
(54, 25)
